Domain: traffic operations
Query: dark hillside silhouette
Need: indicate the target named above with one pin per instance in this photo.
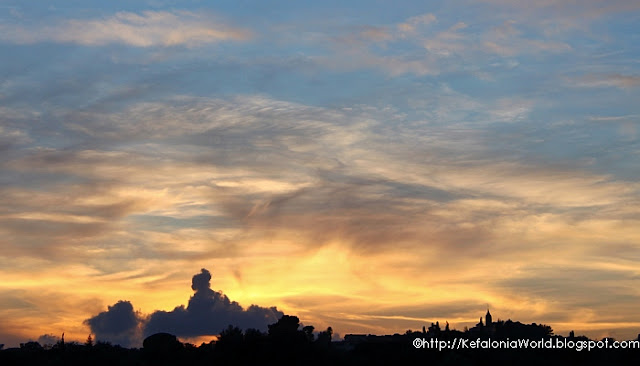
(288, 343)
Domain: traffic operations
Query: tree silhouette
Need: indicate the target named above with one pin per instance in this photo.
(31, 346)
(324, 337)
(308, 331)
(286, 326)
(231, 334)
(162, 345)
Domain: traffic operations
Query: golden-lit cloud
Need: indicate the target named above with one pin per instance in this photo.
(382, 235)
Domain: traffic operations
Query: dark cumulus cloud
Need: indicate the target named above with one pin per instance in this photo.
(207, 313)
(120, 324)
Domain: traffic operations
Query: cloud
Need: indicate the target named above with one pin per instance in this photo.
(378, 34)
(150, 28)
(208, 312)
(424, 45)
(509, 40)
(354, 201)
(10, 134)
(410, 25)
(589, 9)
(202, 174)
(614, 119)
(589, 19)
(228, 119)
(48, 339)
(606, 81)
(120, 324)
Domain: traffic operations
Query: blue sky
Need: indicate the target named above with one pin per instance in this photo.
(409, 161)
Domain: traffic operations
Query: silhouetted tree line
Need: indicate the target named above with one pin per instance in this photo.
(288, 343)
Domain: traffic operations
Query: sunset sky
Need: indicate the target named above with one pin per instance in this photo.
(373, 166)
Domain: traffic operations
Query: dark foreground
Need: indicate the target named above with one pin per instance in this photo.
(286, 344)
(291, 352)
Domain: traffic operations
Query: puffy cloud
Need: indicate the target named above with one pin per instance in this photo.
(208, 312)
(150, 28)
(120, 324)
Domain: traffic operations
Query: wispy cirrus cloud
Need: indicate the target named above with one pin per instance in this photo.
(147, 29)
(605, 81)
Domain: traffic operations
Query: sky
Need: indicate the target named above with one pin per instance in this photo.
(372, 166)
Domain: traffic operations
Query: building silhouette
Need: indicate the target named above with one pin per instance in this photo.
(488, 327)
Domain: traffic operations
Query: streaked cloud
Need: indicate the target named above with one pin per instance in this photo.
(606, 81)
(238, 182)
(627, 118)
(588, 9)
(146, 29)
